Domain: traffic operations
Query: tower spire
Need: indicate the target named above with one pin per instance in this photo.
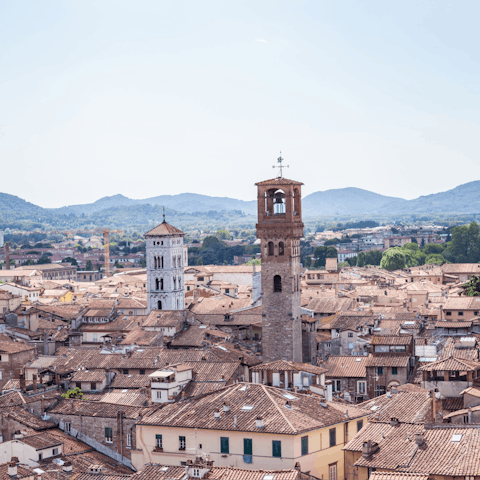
(280, 166)
(163, 214)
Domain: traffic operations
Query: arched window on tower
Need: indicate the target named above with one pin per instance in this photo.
(157, 284)
(161, 262)
(270, 248)
(174, 283)
(155, 262)
(281, 248)
(161, 284)
(277, 283)
(159, 305)
(174, 262)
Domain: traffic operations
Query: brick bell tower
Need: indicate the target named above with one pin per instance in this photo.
(280, 228)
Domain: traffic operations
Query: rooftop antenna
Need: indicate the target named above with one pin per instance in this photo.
(164, 214)
(280, 166)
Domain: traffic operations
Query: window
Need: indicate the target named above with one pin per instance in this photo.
(336, 386)
(142, 371)
(129, 440)
(224, 445)
(159, 305)
(304, 445)
(108, 435)
(55, 451)
(448, 314)
(270, 248)
(40, 456)
(332, 471)
(95, 337)
(281, 248)
(181, 443)
(379, 390)
(78, 384)
(350, 345)
(93, 386)
(277, 283)
(227, 290)
(247, 446)
(333, 436)
(68, 427)
(362, 387)
(196, 472)
(350, 334)
(159, 394)
(380, 370)
(276, 448)
(359, 425)
(201, 279)
(460, 314)
(125, 371)
(158, 441)
(394, 371)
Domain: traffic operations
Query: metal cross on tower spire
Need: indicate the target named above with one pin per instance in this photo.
(280, 166)
(164, 214)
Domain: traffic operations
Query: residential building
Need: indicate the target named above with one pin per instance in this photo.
(250, 426)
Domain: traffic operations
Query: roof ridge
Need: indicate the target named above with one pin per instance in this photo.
(278, 408)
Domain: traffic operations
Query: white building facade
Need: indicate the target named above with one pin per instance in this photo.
(165, 256)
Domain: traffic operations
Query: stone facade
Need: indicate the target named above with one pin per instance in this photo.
(165, 256)
(280, 228)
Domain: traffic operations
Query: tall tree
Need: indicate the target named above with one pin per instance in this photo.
(393, 259)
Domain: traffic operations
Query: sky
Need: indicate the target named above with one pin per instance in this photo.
(147, 98)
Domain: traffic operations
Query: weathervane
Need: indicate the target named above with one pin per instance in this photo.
(280, 166)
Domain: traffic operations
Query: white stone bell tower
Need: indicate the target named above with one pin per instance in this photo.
(165, 264)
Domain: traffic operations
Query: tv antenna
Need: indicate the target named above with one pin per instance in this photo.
(280, 166)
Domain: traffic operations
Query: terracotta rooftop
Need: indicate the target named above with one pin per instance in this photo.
(283, 366)
(163, 229)
(304, 412)
(452, 364)
(278, 181)
(346, 366)
(406, 406)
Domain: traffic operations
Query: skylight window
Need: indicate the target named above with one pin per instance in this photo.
(268, 477)
(409, 323)
(290, 397)
(243, 389)
(457, 437)
(375, 407)
(358, 359)
(124, 391)
(247, 408)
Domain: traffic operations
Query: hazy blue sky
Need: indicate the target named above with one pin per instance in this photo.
(159, 97)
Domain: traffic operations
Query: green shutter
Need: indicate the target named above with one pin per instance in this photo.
(304, 445)
(247, 446)
(224, 445)
(276, 448)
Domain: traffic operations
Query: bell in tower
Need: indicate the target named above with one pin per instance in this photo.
(280, 228)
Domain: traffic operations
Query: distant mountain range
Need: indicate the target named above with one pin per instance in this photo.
(464, 199)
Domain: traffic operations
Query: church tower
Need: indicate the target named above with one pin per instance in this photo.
(165, 263)
(280, 228)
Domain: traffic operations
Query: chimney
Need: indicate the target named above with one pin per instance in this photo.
(419, 439)
(394, 421)
(259, 422)
(226, 406)
(22, 382)
(17, 435)
(234, 420)
(367, 449)
(297, 466)
(328, 390)
(12, 467)
(34, 381)
(216, 414)
(67, 466)
(7, 259)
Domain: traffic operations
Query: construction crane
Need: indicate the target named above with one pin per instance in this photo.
(106, 241)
